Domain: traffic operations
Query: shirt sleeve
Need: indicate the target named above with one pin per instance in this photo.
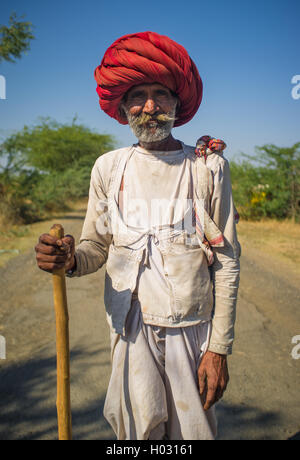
(226, 267)
(92, 251)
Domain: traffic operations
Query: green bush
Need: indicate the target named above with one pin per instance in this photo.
(46, 166)
(268, 183)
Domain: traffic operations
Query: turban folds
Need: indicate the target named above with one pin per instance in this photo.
(148, 57)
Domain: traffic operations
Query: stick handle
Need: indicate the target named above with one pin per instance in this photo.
(63, 402)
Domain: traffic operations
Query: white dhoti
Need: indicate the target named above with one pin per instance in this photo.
(153, 391)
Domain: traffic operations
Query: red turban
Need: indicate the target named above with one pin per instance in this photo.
(148, 57)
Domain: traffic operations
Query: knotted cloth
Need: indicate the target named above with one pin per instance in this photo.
(206, 145)
(148, 57)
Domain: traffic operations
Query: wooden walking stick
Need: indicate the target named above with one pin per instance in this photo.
(63, 402)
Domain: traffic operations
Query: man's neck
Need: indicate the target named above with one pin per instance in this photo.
(164, 145)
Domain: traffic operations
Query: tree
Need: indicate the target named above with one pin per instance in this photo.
(15, 38)
(54, 147)
(283, 171)
(47, 165)
(271, 186)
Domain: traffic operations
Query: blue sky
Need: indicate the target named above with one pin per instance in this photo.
(246, 52)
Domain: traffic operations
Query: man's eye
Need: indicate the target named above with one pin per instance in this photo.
(138, 95)
(162, 93)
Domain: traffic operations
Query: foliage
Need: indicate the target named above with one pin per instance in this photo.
(15, 38)
(46, 166)
(53, 147)
(271, 187)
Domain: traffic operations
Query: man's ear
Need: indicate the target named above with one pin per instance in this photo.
(122, 113)
(178, 105)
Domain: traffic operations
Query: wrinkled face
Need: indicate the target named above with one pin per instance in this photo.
(150, 110)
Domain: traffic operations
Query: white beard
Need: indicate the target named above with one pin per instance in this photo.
(148, 135)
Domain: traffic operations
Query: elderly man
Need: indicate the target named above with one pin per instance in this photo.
(162, 218)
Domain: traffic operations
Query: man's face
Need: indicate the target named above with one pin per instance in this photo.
(150, 111)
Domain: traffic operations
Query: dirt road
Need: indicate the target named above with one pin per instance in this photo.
(262, 401)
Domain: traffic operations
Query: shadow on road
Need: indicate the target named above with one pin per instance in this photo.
(243, 422)
(296, 437)
(28, 396)
(28, 411)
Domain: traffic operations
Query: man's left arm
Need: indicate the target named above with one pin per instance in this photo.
(213, 372)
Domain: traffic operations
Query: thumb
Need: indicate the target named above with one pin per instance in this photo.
(69, 240)
(202, 381)
(66, 244)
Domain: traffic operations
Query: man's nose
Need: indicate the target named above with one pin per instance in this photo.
(150, 106)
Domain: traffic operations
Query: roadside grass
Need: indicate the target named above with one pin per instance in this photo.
(17, 239)
(279, 240)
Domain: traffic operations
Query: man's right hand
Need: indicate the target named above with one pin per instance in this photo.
(53, 253)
